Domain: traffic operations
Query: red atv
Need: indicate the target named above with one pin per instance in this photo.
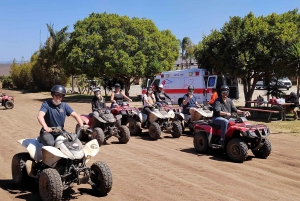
(240, 137)
(128, 116)
(102, 128)
(7, 101)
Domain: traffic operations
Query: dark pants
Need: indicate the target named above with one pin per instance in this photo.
(147, 111)
(186, 110)
(47, 139)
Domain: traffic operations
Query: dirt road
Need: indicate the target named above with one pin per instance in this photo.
(167, 169)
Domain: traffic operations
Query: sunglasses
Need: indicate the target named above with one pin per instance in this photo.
(58, 95)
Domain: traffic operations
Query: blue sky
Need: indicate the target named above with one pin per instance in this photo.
(23, 22)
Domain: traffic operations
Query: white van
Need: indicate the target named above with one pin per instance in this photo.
(176, 83)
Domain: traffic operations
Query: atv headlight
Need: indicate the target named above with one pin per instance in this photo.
(251, 134)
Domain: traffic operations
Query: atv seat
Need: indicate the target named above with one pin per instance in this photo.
(215, 126)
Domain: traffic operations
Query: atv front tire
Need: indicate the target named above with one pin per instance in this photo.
(9, 104)
(81, 135)
(177, 129)
(264, 151)
(124, 134)
(154, 131)
(98, 134)
(18, 169)
(201, 142)
(237, 150)
(101, 178)
(50, 185)
(134, 127)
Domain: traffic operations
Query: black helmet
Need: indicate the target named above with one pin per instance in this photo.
(293, 94)
(190, 88)
(224, 88)
(117, 85)
(58, 89)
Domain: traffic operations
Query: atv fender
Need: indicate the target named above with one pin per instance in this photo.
(51, 155)
(85, 118)
(139, 116)
(119, 116)
(91, 149)
(34, 148)
(171, 114)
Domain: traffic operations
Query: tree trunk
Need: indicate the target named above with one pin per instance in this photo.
(298, 81)
(127, 87)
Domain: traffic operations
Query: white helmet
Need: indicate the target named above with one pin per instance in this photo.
(160, 86)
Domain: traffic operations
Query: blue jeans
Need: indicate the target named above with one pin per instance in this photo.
(223, 123)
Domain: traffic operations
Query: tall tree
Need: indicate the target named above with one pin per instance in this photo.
(184, 44)
(48, 70)
(293, 56)
(250, 47)
(118, 47)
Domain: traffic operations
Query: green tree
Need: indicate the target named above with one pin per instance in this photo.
(47, 70)
(185, 43)
(250, 47)
(118, 47)
(293, 57)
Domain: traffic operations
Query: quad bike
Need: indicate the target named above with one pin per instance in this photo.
(102, 129)
(160, 119)
(7, 101)
(56, 168)
(130, 116)
(240, 136)
(203, 113)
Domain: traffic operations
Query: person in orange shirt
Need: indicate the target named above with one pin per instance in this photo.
(214, 96)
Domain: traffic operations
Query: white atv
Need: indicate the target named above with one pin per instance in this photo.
(201, 113)
(160, 119)
(57, 167)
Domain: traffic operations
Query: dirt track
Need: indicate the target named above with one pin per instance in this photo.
(167, 169)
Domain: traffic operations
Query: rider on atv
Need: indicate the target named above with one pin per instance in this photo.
(53, 114)
(161, 95)
(118, 95)
(190, 103)
(98, 104)
(222, 109)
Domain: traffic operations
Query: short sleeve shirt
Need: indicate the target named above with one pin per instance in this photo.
(191, 103)
(55, 115)
(220, 105)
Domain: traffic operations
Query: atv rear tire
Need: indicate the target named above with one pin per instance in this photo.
(134, 127)
(237, 150)
(201, 142)
(124, 134)
(177, 129)
(9, 104)
(98, 134)
(154, 131)
(101, 178)
(18, 169)
(264, 151)
(81, 135)
(50, 185)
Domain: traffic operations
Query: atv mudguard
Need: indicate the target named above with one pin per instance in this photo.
(34, 148)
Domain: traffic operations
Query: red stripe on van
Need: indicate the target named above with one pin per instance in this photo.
(181, 91)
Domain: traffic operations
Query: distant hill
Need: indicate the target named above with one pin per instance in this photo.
(4, 69)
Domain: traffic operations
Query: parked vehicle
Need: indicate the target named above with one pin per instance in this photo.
(240, 137)
(7, 101)
(176, 83)
(103, 128)
(56, 168)
(281, 83)
(160, 119)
